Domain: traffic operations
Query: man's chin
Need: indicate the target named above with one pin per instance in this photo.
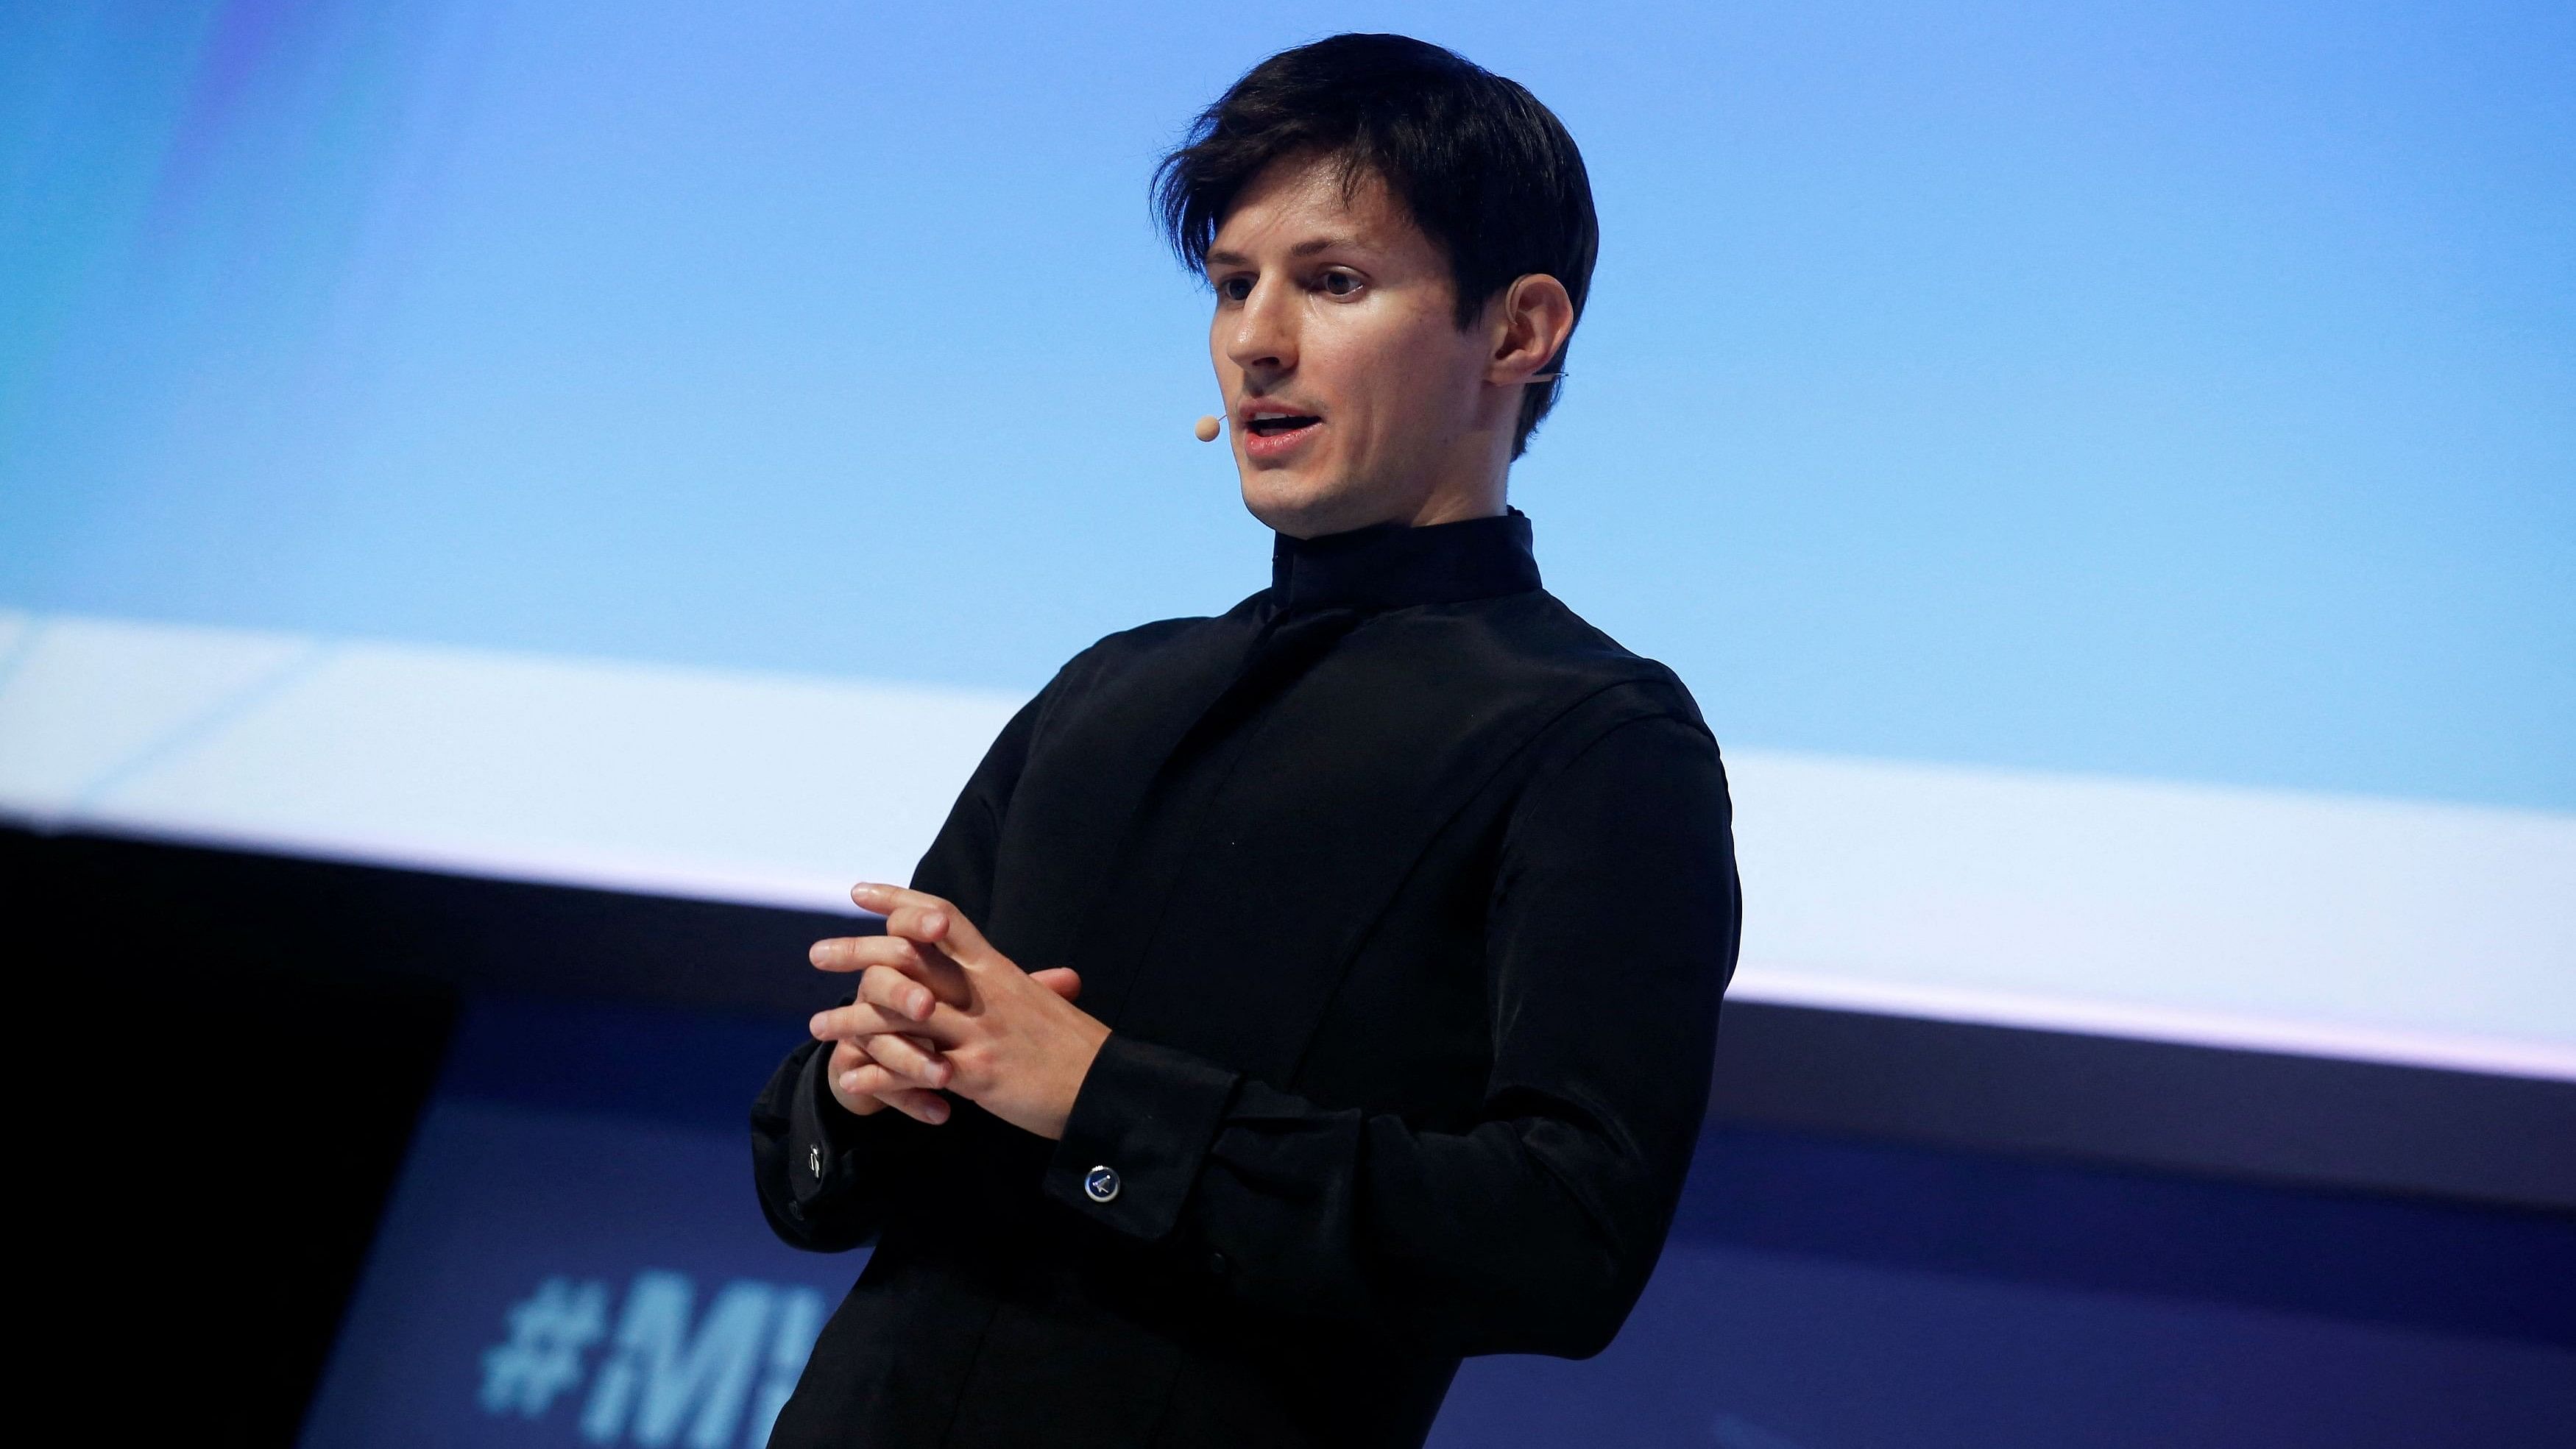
(1304, 509)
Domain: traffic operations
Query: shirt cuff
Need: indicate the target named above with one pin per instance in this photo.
(1140, 1128)
(823, 1137)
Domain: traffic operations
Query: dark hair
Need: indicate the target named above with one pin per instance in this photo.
(1489, 174)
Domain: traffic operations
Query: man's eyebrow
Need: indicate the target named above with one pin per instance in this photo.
(1306, 248)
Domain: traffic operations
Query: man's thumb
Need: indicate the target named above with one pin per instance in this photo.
(1064, 981)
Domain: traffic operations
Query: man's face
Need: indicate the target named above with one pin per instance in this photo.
(1352, 395)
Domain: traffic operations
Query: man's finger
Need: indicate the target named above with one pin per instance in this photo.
(908, 1059)
(877, 896)
(932, 923)
(860, 1019)
(891, 989)
(917, 1103)
(935, 969)
(926, 964)
(849, 1054)
(858, 953)
(921, 916)
(1064, 981)
(921, 1106)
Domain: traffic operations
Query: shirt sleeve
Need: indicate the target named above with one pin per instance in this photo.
(1613, 930)
(821, 1170)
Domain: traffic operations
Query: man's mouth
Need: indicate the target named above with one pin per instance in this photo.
(1273, 425)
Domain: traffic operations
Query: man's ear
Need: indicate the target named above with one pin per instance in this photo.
(1533, 322)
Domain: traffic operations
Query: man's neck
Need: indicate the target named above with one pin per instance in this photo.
(1490, 502)
(1456, 504)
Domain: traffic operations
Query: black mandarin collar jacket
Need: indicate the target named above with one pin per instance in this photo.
(1408, 898)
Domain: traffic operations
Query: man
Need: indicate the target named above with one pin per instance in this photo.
(1299, 999)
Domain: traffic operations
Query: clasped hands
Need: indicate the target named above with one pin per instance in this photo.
(939, 1010)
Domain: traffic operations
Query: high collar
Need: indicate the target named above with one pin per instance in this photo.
(1391, 566)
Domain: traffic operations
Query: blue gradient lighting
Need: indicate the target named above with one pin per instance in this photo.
(2184, 392)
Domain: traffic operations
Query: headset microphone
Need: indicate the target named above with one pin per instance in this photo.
(1208, 428)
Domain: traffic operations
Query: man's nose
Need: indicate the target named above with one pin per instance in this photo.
(1264, 336)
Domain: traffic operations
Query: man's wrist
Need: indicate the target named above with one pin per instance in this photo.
(1071, 1093)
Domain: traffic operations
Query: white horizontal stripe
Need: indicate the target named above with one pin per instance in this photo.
(2498, 1056)
(2370, 929)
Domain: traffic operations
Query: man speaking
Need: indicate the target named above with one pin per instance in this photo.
(1299, 999)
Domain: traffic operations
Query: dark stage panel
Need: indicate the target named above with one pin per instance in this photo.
(574, 1257)
(1897, 1232)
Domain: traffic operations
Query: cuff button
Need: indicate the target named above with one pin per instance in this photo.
(1101, 1183)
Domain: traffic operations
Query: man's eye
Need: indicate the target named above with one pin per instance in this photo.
(1234, 289)
(1340, 284)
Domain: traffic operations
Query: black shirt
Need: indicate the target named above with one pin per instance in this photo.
(1408, 898)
